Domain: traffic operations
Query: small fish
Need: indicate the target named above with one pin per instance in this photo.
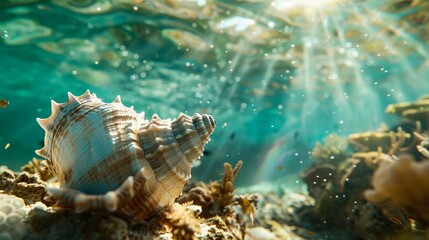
(395, 220)
(4, 103)
(296, 135)
(232, 136)
(7, 146)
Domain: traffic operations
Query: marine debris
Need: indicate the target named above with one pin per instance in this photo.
(4, 103)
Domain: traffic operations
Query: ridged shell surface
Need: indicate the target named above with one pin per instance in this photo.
(108, 157)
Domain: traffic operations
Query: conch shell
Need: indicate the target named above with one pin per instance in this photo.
(109, 158)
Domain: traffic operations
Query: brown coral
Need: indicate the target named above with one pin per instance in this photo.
(332, 151)
(39, 168)
(217, 199)
(181, 221)
(24, 185)
(404, 183)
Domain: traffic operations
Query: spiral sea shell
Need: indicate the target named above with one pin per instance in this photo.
(109, 158)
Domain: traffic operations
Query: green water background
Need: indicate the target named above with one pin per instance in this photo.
(274, 85)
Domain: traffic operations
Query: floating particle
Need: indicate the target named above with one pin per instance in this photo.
(4, 103)
(224, 124)
(7, 146)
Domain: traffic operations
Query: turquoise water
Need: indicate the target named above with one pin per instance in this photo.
(278, 76)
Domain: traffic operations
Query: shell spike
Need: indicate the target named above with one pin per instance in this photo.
(87, 94)
(72, 98)
(44, 122)
(117, 100)
(181, 115)
(155, 117)
(140, 116)
(55, 108)
(41, 152)
(196, 115)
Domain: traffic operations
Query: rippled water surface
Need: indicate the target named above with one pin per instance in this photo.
(276, 75)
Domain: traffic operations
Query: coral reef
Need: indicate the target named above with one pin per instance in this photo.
(332, 151)
(39, 167)
(373, 186)
(338, 178)
(12, 213)
(403, 182)
(24, 185)
(217, 199)
(178, 221)
(47, 223)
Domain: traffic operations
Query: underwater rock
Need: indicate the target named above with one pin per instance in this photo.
(109, 158)
(46, 223)
(24, 185)
(317, 177)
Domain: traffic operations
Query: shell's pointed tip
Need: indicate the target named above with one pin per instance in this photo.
(55, 107)
(43, 122)
(71, 98)
(141, 115)
(132, 107)
(117, 100)
(41, 152)
(110, 201)
(155, 117)
(87, 94)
